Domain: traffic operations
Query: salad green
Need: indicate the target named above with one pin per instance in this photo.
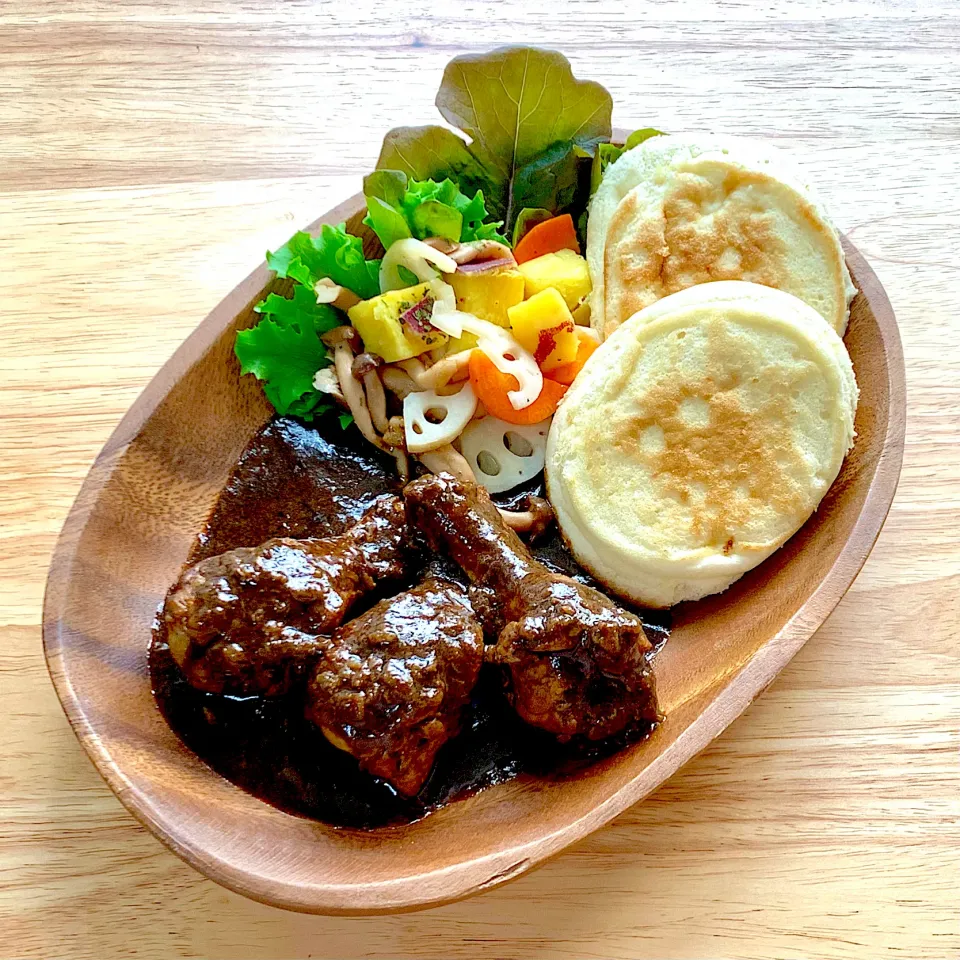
(398, 208)
(532, 142)
(494, 99)
(335, 254)
(284, 351)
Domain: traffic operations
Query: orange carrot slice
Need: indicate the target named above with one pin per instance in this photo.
(491, 387)
(567, 373)
(557, 233)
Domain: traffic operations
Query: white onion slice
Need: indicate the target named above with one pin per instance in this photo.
(453, 413)
(445, 315)
(504, 455)
(417, 257)
(496, 342)
(508, 357)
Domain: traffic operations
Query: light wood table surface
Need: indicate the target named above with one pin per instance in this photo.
(151, 151)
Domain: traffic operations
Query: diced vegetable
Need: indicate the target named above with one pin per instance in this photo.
(396, 325)
(447, 318)
(557, 233)
(568, 372)
(581, 313)
(493, 388)
(504, 455)
(564, 270)
(466, 341)
(543, 325)
(488, 294)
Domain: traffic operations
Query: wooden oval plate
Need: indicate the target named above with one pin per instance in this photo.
(148, 495)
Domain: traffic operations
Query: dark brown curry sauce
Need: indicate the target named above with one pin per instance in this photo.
(299, 481)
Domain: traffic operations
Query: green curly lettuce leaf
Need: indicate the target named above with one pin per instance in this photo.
(285, 359)
(284, 351)
(300, 310)
(398, 207)
(311, 406)
(384, 192)
(518, 106)
(334, 254)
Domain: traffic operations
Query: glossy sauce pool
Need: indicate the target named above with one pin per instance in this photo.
(300, 481)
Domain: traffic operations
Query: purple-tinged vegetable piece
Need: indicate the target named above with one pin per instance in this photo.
(417, 318)
(484, 266)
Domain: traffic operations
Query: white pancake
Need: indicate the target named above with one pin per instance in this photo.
(698, 439)
(682, 210)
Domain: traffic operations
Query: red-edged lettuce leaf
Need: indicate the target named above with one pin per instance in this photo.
(518, 106)
(432, 153)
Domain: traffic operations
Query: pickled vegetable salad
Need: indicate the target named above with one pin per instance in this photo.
(457, 345)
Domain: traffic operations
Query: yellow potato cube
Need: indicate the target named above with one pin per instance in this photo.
(488, 294)
(564, 270)
(543, 325)
(458, 344)
(396, 325)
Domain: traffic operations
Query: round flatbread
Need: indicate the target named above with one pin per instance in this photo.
(698, 438)
(678, 211)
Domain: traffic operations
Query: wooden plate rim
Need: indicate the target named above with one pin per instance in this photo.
(471, 876)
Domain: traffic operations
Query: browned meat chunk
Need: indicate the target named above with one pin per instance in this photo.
(390, 685)
(245, 621)
(578, 662)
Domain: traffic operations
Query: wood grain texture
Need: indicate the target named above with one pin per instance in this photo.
(152, 152)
